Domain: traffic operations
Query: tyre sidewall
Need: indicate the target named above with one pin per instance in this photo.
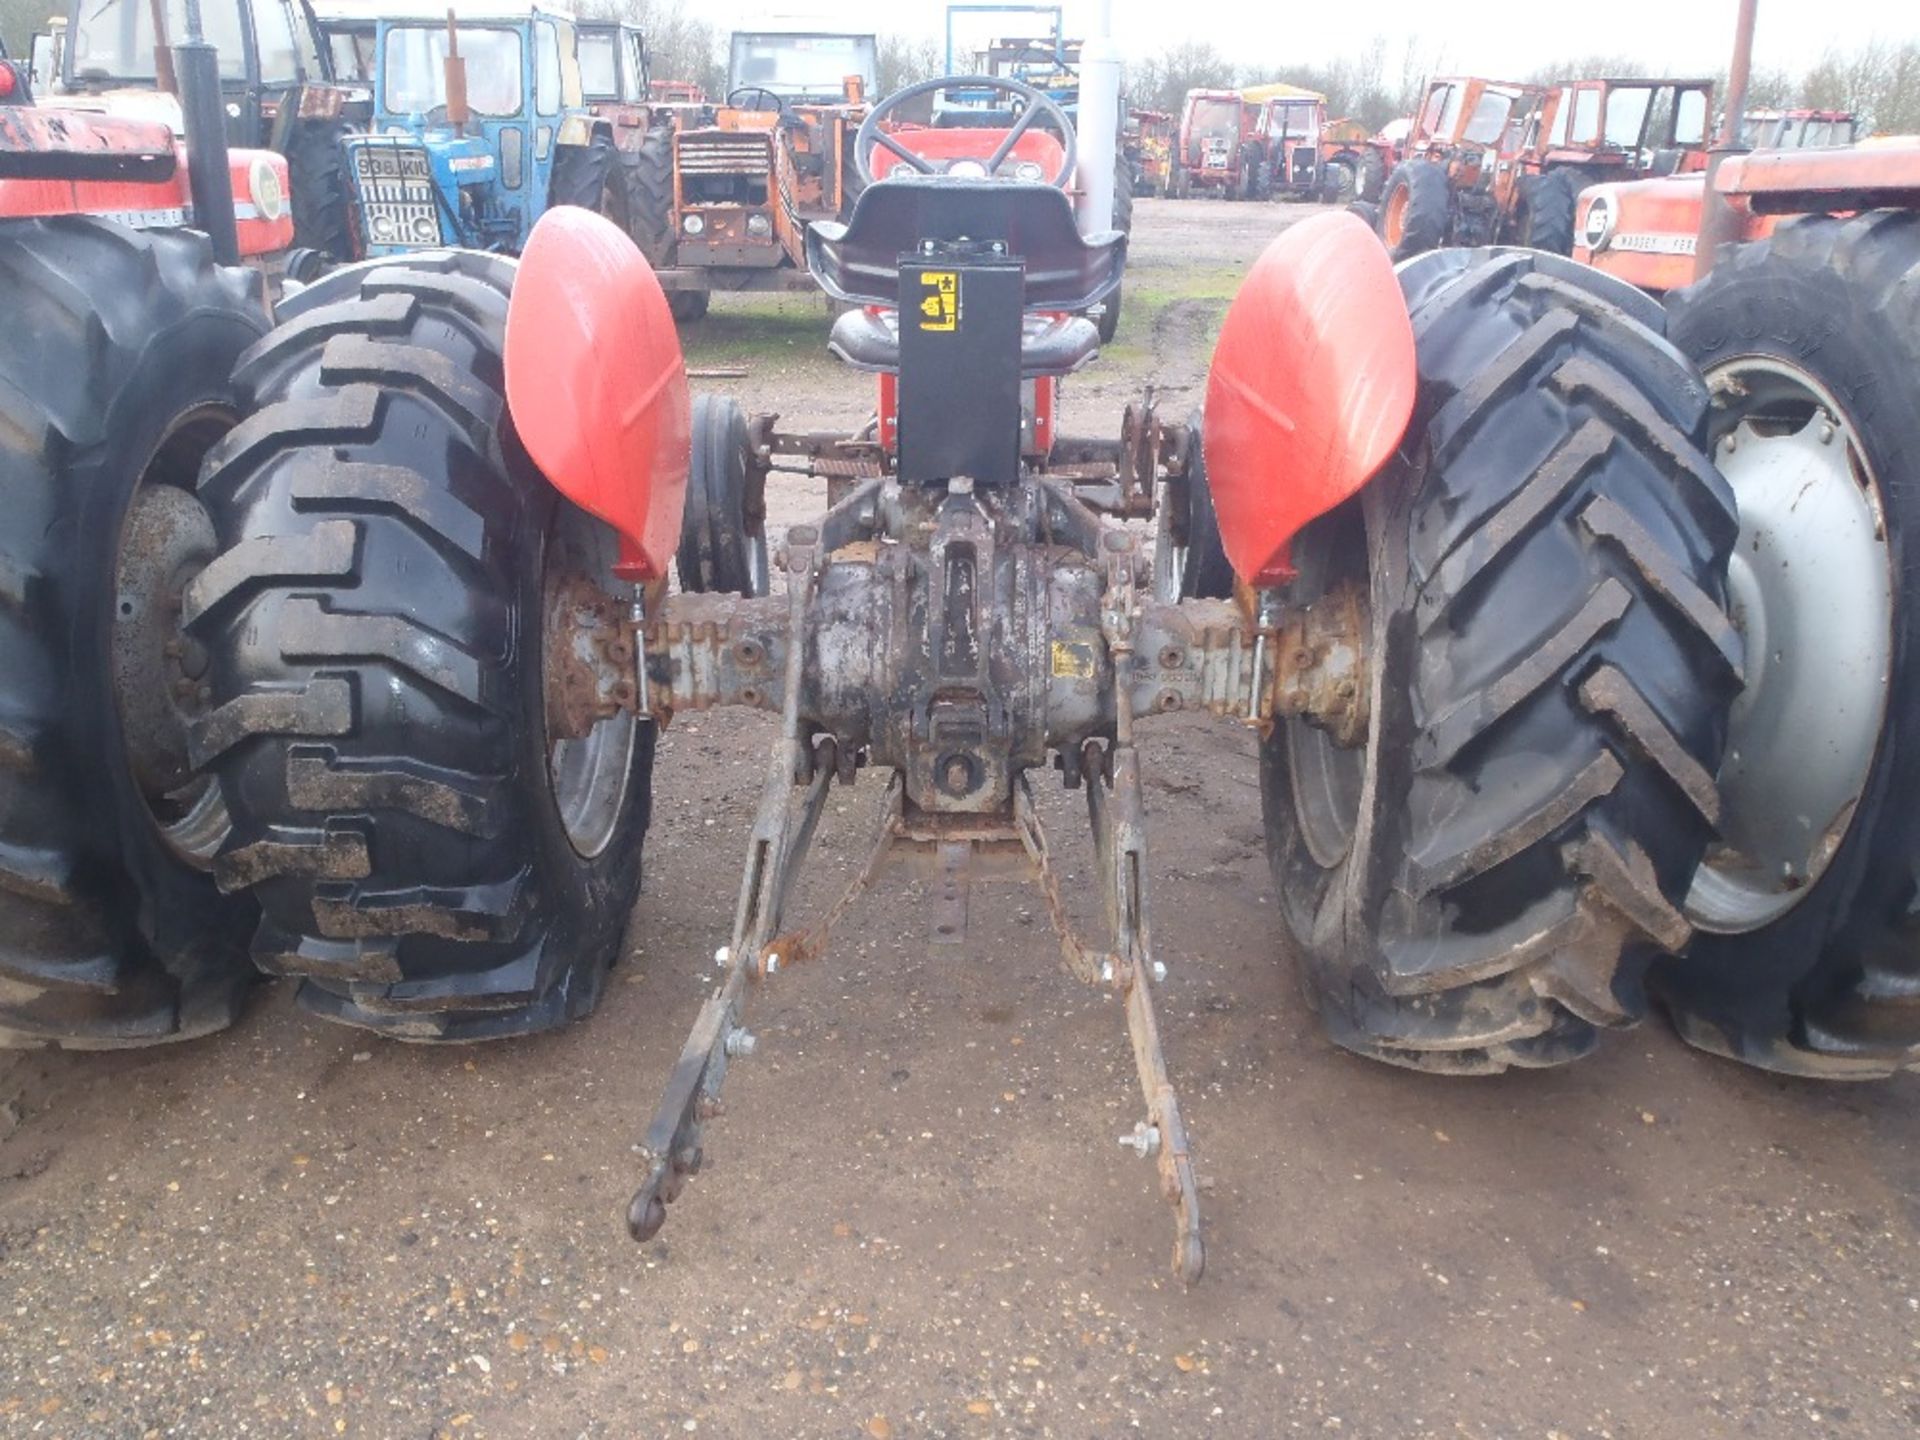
(182, 369)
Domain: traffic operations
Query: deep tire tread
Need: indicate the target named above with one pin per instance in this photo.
(106, 938)
(371, 734)
(1541, 800)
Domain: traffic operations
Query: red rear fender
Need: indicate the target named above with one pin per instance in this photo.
(1311, 388)
(596, 384)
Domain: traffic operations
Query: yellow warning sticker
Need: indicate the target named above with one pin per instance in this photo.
(1071, 661)
(940, 309)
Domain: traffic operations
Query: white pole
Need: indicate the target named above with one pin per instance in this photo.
(1099, 121)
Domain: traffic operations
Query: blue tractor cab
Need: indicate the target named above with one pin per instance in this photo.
(479, 126)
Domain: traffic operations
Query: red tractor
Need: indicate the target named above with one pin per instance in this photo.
(1218, 148)
(1447, 542)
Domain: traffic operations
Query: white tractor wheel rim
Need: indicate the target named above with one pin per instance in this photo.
(1811, 591)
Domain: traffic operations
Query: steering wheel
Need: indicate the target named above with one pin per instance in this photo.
(1038, 104)
(761, 91)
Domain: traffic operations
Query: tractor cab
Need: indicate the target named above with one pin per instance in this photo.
(969, 278)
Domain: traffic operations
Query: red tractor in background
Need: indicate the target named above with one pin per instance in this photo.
(1494, 163)
(1217, 151)
(1288, 126)
(278, 88)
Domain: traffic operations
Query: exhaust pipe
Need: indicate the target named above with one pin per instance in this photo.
(1099, 122)
(1719, 225)
(196, 68)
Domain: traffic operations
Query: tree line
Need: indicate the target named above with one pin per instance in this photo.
(1878, 80)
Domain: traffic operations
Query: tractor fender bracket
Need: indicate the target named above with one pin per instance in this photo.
(1312, 386)
(597, 385)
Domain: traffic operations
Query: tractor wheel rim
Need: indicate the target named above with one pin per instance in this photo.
(1327, 777)
(1813, 562)
(157, 672)
(588, 773)
(1396, 221)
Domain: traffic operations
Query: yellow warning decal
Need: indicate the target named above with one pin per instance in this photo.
(1071, 661)
(941, 309)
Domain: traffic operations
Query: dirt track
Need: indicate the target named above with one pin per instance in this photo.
(914, 1219)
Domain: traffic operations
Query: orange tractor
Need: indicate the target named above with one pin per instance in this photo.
(724, 193)
(1491, 163)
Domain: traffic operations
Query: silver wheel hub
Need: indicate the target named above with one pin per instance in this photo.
(1811, 589)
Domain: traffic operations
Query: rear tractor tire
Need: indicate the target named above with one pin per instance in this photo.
(1539, 578)
(723, 540)
(1806, 949)
(114, 382)
(407, 630)
(1415, 209)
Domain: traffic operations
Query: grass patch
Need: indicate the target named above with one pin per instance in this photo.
(1151, 292)
(741, 329)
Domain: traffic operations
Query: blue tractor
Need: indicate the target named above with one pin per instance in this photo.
(479, 124)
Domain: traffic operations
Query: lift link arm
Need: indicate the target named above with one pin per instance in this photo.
(783, 831)
(1116, 807)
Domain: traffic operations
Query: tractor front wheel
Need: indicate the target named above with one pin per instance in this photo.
(1414, 209)
(115, 366)
(1806, 951)
(414, 649)
(1480, 871)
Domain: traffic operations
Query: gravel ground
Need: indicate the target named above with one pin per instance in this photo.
(914, 1220)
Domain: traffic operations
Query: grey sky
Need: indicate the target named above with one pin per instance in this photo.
(1488, 36)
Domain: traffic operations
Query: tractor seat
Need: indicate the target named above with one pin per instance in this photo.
(1050, 344)
(859, 262)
